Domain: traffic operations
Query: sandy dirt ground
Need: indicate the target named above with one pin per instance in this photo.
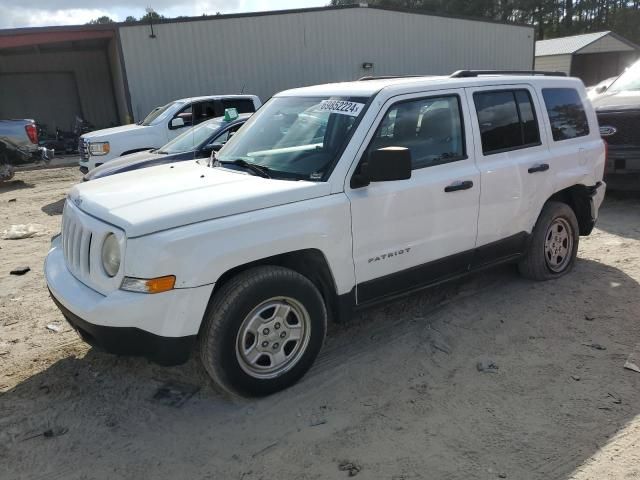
(396, 393)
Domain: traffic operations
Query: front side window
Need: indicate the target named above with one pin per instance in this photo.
(186, 114)
(192, 138)
(295, 137)
(507, 120)
(226, 135)
(431, 128)
(566, 113)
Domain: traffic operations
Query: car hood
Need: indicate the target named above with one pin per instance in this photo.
(168, 196)
(130, 161)
(617, 101)
(108, 133)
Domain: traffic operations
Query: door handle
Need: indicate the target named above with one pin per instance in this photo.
(543, 167)
(454, 187)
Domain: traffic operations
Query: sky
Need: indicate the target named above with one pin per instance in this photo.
(38, 13)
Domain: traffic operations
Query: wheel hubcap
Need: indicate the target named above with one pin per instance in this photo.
(273, 337)
(558, 245)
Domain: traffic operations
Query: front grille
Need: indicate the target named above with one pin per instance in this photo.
(76, 245)
(83, 149)
(627, 125)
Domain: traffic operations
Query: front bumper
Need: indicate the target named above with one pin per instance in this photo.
(161, 327)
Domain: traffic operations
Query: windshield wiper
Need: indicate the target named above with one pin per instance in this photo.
(252, 167)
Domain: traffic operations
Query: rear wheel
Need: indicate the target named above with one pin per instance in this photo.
(262, 331)
(7, 171)
(554, 243)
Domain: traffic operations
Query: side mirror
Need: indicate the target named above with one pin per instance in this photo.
(177, 123)
(384, 165)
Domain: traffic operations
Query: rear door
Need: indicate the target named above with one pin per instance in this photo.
(515, 167)
(410, 233)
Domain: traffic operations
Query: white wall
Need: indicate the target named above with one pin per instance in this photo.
(268, 53)
(554, 63)
(606, 44)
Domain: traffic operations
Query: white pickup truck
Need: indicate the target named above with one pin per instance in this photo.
(329, 198)
(159, 127)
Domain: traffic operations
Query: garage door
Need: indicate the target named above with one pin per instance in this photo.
(49, 98)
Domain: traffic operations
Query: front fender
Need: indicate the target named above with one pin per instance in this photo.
(199, 254)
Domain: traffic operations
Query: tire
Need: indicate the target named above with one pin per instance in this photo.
(553, 245)
(248, 340)
(7, 171)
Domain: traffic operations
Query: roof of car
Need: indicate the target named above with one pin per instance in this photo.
(370, 87)
(214, 97)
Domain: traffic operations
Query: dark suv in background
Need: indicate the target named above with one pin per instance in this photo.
(618, 110)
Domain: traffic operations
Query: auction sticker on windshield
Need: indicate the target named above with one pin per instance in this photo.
(341, 106)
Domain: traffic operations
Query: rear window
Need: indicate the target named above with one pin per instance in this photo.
(507, 120)
(566, 113)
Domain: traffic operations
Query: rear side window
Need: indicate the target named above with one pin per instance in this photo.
(507, 120)
(566, 113)
(242, 105)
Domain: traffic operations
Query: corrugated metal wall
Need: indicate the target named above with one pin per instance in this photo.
(89, 68)
(267, 53)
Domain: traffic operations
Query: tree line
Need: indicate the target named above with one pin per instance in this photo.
(552, 18)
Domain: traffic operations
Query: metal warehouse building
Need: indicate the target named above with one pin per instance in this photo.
(112, 74)
(592, 57)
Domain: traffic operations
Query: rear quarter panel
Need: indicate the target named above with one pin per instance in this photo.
(578, 161)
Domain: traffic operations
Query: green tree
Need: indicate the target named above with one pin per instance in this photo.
(552, 18)
(101, 21)
(151, 16)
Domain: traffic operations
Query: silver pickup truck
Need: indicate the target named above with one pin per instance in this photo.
(19, 145)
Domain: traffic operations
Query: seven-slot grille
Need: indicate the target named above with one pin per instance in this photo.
(83, 149)
(76, 245)
(627, 127)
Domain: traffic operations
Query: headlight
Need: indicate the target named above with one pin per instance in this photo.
(111, 255)
(99, 148)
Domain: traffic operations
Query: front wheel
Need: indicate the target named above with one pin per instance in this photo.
(553, 246)
(262, 331)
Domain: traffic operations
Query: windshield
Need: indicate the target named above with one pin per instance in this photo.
(192, 138)
(156, 113)
(296, 137)
(629, 80)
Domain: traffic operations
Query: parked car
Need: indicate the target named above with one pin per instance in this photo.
(330, 198)
(159, 127)
(600, 88)
(19, 145)
(197, 142)
(618, 110)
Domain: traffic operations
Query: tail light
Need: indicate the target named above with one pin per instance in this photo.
(32, 133)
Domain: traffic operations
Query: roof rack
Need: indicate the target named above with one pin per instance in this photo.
(477, 73)
(386, 77)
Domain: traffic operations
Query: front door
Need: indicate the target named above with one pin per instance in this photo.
(409, 233)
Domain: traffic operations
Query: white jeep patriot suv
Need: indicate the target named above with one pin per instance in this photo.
(329, 198)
